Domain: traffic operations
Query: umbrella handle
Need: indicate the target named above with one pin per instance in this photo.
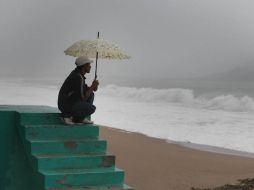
(95, 77)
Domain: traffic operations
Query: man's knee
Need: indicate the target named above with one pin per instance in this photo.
(90, 110)
(93, 108)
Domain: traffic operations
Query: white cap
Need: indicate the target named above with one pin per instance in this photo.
(83, 60)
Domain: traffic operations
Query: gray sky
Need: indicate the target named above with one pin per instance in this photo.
(166, 38)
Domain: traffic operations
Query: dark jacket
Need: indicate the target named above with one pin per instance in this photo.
(72, 90)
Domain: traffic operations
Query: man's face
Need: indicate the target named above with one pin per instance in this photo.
(86, 68)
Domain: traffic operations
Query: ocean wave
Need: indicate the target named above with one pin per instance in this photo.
(181, 96)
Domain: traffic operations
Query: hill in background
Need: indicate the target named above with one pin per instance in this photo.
(240, 73)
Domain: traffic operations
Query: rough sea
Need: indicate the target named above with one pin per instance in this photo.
(212, 113)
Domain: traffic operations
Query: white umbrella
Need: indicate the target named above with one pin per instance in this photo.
(97, 48)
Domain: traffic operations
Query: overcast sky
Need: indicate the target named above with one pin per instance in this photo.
(166, 38)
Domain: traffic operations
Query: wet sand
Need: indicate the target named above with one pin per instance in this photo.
(154, 164)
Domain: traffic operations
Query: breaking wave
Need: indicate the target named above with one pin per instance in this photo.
(181, 96)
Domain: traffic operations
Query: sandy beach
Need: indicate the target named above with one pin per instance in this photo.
(154, 164)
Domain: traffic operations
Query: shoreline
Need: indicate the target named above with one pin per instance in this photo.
(214, 149)
(195, 146)
(151, 163)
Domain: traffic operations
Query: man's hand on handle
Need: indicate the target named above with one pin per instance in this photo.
(91, 89)
(95, 85)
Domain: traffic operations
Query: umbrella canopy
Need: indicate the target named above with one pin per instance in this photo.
(97, 48)
(89, 48)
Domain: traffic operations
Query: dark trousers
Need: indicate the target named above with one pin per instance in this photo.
(80, 109)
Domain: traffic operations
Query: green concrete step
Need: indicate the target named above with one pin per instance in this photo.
(39, 118)
(83, 177)
(57, 131)
(67, 146)
(65, 161)
(35, 118)
(122, 187)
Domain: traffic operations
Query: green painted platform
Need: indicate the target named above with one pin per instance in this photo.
(40, 152)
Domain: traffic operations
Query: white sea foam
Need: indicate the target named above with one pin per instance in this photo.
(19, 93)
(232, 130)
(181, 96)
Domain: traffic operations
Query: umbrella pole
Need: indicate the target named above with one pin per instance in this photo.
(95, 77)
